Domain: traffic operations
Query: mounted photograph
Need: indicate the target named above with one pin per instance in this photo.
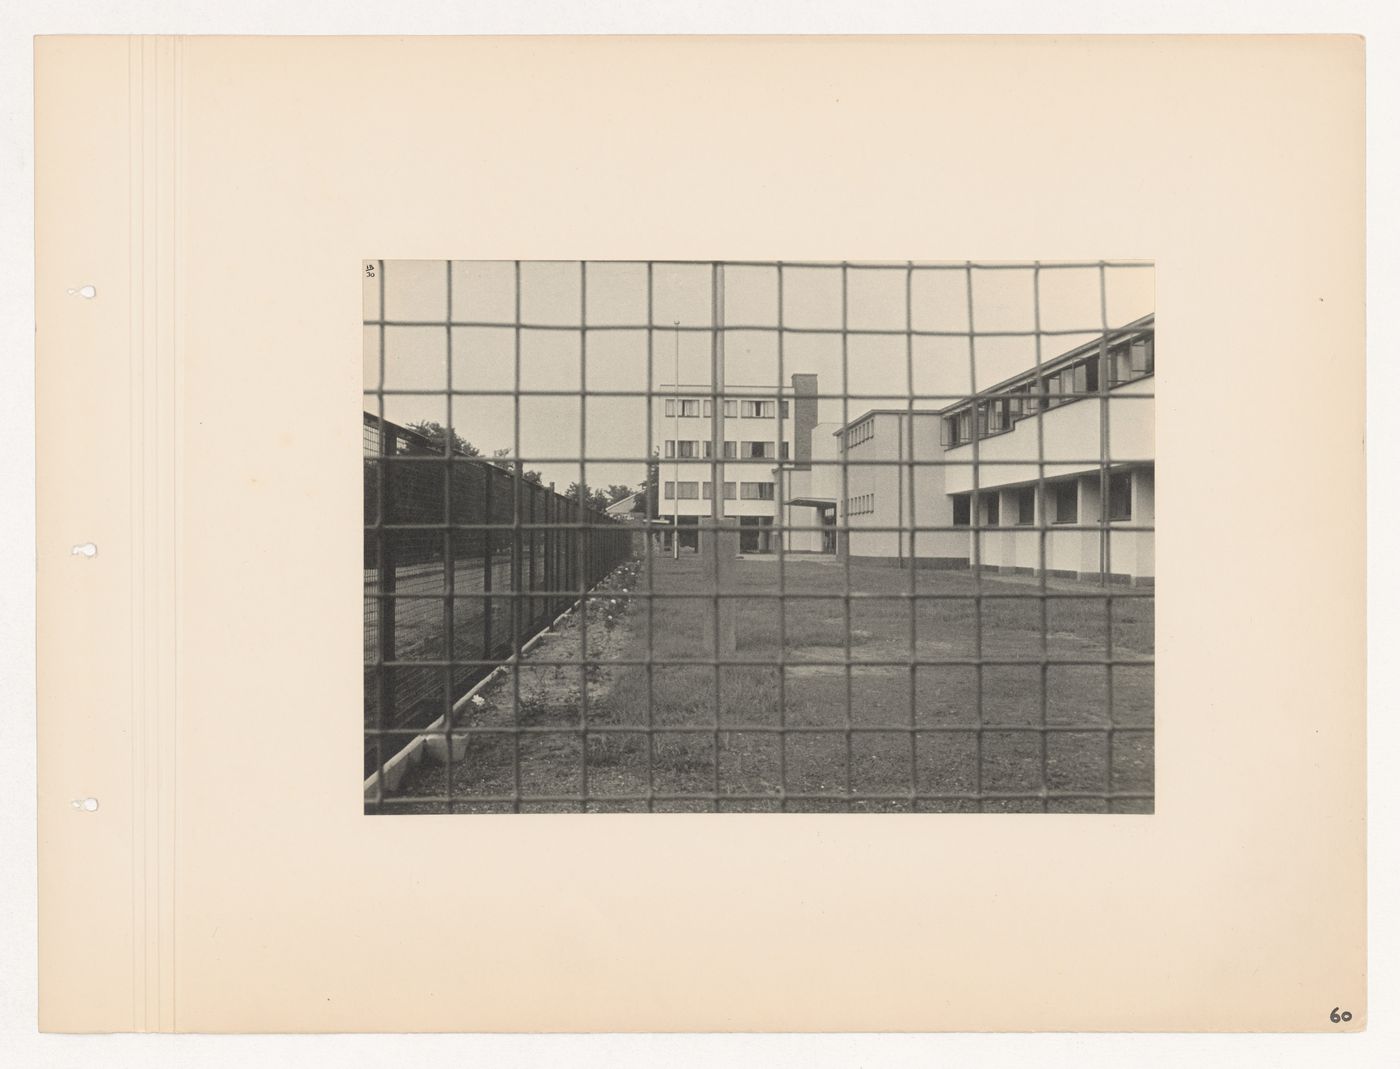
(758, 537)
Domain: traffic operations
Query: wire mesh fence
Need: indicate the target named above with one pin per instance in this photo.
(464, 562)
(927, 590)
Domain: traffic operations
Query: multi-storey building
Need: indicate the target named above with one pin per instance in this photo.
(1025, 458)
(1070, 445)
(865, 484)
(762, 426)
(1052, 468)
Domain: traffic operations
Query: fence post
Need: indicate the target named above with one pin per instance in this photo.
(550, 549)
(487, 567)
(388, 575)
(724, 544)
(532, 614)
(570, 548)
(517, 606)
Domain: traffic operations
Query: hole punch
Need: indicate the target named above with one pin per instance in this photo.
(86, 292)
(87, 805)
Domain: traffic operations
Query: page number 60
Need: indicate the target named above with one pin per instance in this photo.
(1338, 1018)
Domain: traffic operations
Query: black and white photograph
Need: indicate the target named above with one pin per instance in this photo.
(751, 537)
(759, 651)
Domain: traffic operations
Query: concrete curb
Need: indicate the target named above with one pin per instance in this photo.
(412, 754)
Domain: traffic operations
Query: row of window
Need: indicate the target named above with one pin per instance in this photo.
(693, 491)
(860, 505)
(1126, 362)
(861, 432)
(695, 406)
(1061, 498)
(703, 450)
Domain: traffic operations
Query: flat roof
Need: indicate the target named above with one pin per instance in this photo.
(1045, 365)
(887, 412)
(1055, 361)
(660, 389)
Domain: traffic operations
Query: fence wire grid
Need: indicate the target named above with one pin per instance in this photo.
(927, 590)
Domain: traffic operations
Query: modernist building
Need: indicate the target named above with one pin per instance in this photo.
(1025, 459)
(1068, 450)
(762, 426)
(1062, 454)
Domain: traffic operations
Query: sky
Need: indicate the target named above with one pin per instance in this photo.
(551, 295)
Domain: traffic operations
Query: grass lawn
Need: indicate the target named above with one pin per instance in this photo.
(926, 738)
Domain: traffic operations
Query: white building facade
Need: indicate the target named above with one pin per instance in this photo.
(761, 427)
(1052, 469)
(1065, 452)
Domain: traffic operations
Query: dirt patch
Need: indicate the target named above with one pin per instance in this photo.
(1022, 731)
(567, 670)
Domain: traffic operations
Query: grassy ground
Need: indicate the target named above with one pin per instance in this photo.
(930, 742)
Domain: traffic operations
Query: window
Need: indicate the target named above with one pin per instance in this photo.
(1141, 360)
(730, 450)
(708, 448)
(1091, 374)
(707, 490)
(687, 491)
(1131, 360)
(965, 425)
(996, 417)
(756, 450)
(783, 408)
(756, 491)
(1120, 496)
(670, 449)
(860, 432)
(1079, 378)
(756, 409)
(690, 408)
(669, 491)
(782, 450)
(1067, 502)
(993, 511)
(729, 491)
(708, 411)
(1119, 365)
(1025, 506)
(670, 406)
(731, 409)
(962, 510)
(687, 450)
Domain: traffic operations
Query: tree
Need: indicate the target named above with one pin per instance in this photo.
(648, 494)
(509, 465)
(437, 434)
(594, 499)
(616, 492)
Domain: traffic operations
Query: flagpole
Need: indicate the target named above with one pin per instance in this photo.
(676, 449)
